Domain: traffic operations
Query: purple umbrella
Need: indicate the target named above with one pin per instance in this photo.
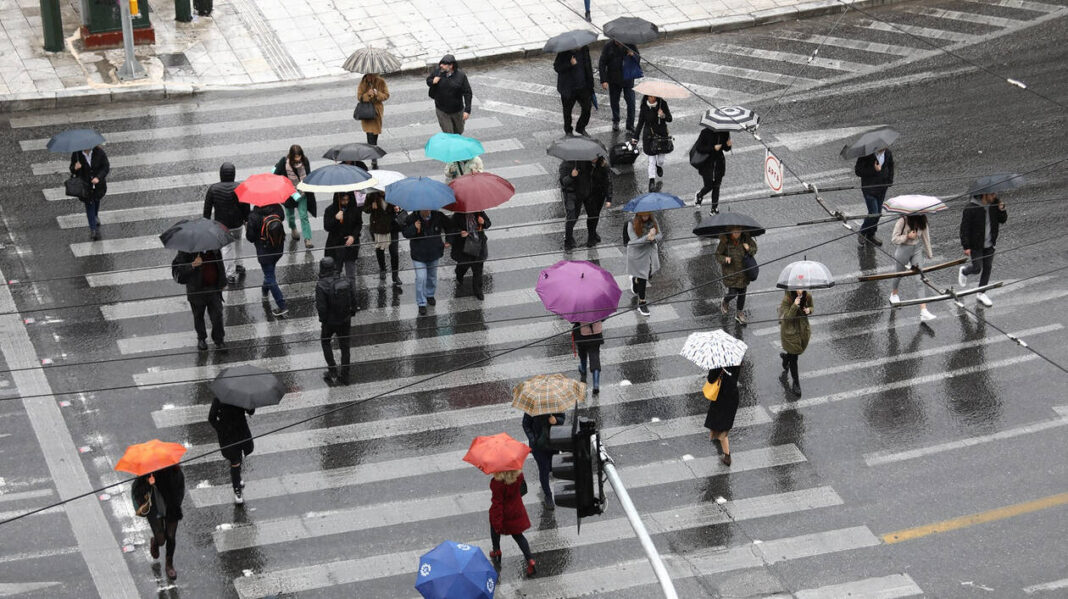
(578, 290)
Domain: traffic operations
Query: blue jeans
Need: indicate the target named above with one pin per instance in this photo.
(587, 2)
(270, 283)
(92, 207)
(627, 89)
(873, 201)
(544, 460)
(426, 280)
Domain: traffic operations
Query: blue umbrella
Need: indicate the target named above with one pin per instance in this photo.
(651, 202)
(419, 193)
(455, 571)
(335, 178)
(74, 140)
(451, 147)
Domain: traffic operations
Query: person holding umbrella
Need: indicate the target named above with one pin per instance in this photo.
(386, 232)
(643, 259)
(798, 280)
(460, 168)
(222, 201)
(335, 302)
(157, 492)
(469, 247)
(617, 67)
(537, 431)
(732, 252)
(722, 355)
(204, 278)
(913, 241)
(980, 223)
(343, 221)
(588, 338)
(574, 81)
(266, 230)
(91, 165)
(374, 91)
(653, 117)
(584, 294)
(599, 198)
(295, 166)
(576, 184)
(712, 144)
(875, 167)
(235, 439)
(424, 230)
(451, 92)
(543, 400)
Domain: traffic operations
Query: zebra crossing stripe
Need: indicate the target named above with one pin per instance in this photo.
(736, 72)
(882, 587)
(967, 17)
(851, 44)
(918, 31)
(791, 58)
(1040, 7)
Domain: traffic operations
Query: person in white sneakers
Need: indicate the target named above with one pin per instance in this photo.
(909, 231)
(979, 225)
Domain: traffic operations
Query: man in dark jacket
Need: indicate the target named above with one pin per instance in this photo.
(424, 230)
(92, 166)
(600, 196)
(574, 81)
(335, 302)
(267, 231)
(537, 430)
(979, 225)
(611, 71)
(222, 200)
(452, 95)
(876, 172)
(576, 183)
(204, 279)
(343, 221)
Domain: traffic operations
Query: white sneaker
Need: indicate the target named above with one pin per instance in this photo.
(926, 315)
(239, 498)
(983, 299)
(962, 278)
(894, 299)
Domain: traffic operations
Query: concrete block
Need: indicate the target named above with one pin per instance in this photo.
(731, 23)
(775, 15)
(819, 8)
(138, 93)
(81, 96)
(19, 102)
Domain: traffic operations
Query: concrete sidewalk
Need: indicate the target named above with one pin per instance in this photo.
(280, 42)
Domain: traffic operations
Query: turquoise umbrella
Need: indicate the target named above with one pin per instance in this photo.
(450, 147)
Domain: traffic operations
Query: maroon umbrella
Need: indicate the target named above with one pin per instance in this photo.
(476, 192)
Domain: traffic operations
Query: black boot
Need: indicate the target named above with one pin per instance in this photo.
(380, 255)
(652, 185)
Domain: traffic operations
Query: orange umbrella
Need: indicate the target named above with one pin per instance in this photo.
(497, 453)
(149, 457)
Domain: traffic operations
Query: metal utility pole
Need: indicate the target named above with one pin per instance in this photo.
(131, 69)
(52, 25)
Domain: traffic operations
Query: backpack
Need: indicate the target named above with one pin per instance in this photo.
(341, 297)
(272, 231)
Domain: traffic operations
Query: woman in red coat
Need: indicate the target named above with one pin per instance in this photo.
(508, 515)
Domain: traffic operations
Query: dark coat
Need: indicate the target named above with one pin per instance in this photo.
(591, 341)
(721, 412)
(973, 225)
(872, 180)
(383, 219)
(537, 430)
(99, 169)
(255, 223)
(451, 94)
(331, 312)
(600, 188)
(574, 79)
(794, 330)
(167, 496)
(232, 428)
(716, 165)
(458, 223)
(651, 125)
(337, 232)
(427, 245)
(732, 273)
(309, 197)
(208, 277)
(507, 514)
(222, 200)
(577, 190)
(610, 64)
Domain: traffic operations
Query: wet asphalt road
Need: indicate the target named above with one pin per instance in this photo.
(901, 425)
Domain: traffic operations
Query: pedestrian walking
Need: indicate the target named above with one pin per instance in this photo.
(720, 417)
(574, 81)
(235, 439)
(617, 68)
(92, 167)
(203, 7)
(470, 247)
(731, 254)
(913, 241)
(588, 338)
(451, 93)
(537, 430)
(508, 515)
(204, 279)
(576, 184)
(599, 198)
(643, 259)
(876, 172)
(979, 225)
(335, 302)
(424, 230)
(267, 231)
(386, 232)
(712, 144)
(587, 5)
(794, 332)
(653, 117)
(295, 165)
(221, 201)
(454, 170)
(374, 91)
(343, 221)
(158, 497)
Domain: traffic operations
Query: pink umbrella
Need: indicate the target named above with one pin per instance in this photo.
(578, 290)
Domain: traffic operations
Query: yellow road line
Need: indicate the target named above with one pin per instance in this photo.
(972, 519)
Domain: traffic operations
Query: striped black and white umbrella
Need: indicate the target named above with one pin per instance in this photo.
(714, 349)
(805, 275)
(730, 118)
(372, 60)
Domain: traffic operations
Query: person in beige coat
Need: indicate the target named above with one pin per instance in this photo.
(455, 170)
(373, 89)
(913, 243)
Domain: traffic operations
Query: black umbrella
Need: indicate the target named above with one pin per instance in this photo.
(576, 148)
(569, 40)
(248, 387)
(722, 223)
(631, 30)
(195, 236)
(353, 152)
(74, 140)
(870, 143)
(995, 183)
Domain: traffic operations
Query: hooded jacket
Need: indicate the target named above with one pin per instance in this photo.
(973, 223)
(337, 231)
(222, 200)
(255, 223)
(452, 93)
(650, 125)
(330, 312)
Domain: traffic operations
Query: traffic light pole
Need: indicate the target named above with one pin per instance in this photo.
(131, 69)
(639, 528)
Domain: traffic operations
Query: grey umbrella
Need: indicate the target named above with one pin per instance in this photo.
(723, 222)
(631, 30)
(371, 60)
(353, 152)
(870, 143)
(804, 275)
(569, 40)
(248, 387)
(195, 236)
(995, 183)
(576, 148)
(74, 140)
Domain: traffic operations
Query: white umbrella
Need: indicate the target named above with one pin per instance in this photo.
(914, 204)
(385, 178)
(730, 118)
(661, 89)
(805, 274)
(715, 349)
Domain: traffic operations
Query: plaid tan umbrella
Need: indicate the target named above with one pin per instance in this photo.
(547, 394)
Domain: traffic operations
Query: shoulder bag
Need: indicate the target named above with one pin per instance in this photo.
(365, 111)
(711, 390)
(697, 159)
(632, 68)
(472, 246)
(664, 144)
(523, 488)
(76, 187)
(752, 269)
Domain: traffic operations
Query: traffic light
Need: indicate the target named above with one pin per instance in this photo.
(579, 461)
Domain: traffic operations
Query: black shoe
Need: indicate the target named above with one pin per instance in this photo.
(220, 345)
(94, 235)
(726, 459)
(615, 126)
(343, 380)
(232, 279)
(582, 377)
(582, 132)
(459, 279)
(659, 171)
(382, 275)
(396, 280)
(596, 237)
(431, 301)
(588, 18)
(697, 198)
(202, 345)
(875, 240)
(479, 296)
(422, 310)
(569, 133)
(630, 132)
(569, 244)
(652, 185)
(240, 270)
(374, 164)
(782, 356)
(330, 378)
(796, 388)
(659, 186)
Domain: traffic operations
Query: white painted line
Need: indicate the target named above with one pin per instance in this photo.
(791, 58)
(10, 589)
(883, 587)
(967, 17)
(517, 85)
(841, 42)
(918, 31)
(1056, 585)
(1024, 4)
(32, 494)
(18, 557)
(524, 111)
(737, 72)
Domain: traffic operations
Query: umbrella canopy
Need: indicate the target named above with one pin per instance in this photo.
(730, 118)
(265, 189)
(576, 148)
(723, 222)
(371, 60)
(385, 178)
(148, 457)
(452, 147)
(420, 193)
(336, 177)
(248, 387)
(195, 236)
(74, 140)
(651, 202)
(715, 349)
(497, 453)
(479, 191)
(914, 204)
(661, 89)
(631, 30)
(547, 394)
(569, 40)
(995, 183)
(455, 571)
(870, 143)
(353, 152)
(578, 290)
(805, 275)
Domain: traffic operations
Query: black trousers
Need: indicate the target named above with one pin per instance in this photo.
(372, 138)
(572, 210)
(639, 287)
(791, 362)
(166, 532)
(982, 261)
(475, 266)
(585, 101)
(212, 302)
(524, 546)
(736, 292)
(342, 333)
(593, 216)
(710, 187)
(590, 353)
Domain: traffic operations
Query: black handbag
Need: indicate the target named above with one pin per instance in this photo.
(752, 269)
(76, 187)
(365, 111)
(400, 219)
(664, 144)
(523, 488)
(697, 159)
(472, 246)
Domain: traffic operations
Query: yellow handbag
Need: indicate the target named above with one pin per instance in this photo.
(711, 390)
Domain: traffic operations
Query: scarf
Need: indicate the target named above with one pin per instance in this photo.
(296, 175)
(472, 225)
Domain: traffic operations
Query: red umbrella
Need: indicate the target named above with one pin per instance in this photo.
(479, 191)
(497, 453)
(150, 456)
(265, 189)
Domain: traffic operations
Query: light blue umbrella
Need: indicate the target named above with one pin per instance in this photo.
(451, 147)
(455, 571)
(419, 193)
(74, 140)
(651, 202)
(335, 178)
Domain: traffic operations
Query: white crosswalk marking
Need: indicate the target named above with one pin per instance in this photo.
(790, 57)
(967, 17)
(1041, 7)
(916, 30)
(841, 42)
(731, 71)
